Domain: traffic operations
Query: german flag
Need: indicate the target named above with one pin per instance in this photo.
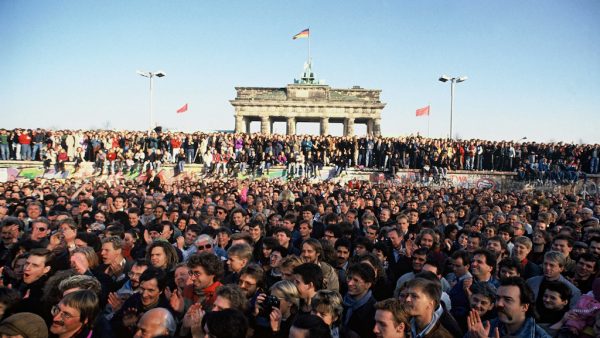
(302, 35)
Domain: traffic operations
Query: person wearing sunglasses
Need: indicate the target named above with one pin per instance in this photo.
(40, 229)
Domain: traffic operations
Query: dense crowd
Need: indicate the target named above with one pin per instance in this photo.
(268, 258)
(225, 154)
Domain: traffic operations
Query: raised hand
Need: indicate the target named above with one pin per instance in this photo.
(78, 264)
(259, 300)
(467, 285)
(115, 301)
(410, 246)
(180, 242)
(116, 269)
(275, 319)
(476, 328)
(176, 300)
(192, 313)
(147, 237)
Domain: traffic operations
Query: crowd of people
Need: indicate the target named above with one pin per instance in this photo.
(303, 155)
(224, 257)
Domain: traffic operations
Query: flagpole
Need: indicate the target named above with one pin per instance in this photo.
(309, 45)
(428, 118)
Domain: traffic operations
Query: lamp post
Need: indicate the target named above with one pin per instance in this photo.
(150, 75)
(453, 80)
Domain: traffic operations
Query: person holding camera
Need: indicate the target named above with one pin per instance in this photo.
(275, 313)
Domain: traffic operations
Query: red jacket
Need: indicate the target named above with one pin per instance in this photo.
(24, 138)
(206, 297)
(175, 143)
(62, 157)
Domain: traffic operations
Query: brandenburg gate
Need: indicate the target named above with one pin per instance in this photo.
(307, 101)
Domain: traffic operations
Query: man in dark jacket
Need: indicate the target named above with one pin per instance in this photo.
(153, 282)
(35, 274)
(359, 303)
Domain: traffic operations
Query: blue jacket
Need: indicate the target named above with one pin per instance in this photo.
(529, 329)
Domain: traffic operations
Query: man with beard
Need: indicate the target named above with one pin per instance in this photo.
(343, 248)
(251, 280)
(312, 252)
(148, 213)
(75, 315)
(153, 282)
(515, 307)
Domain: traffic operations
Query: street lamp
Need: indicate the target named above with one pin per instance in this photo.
(150, 75)
(453, 80)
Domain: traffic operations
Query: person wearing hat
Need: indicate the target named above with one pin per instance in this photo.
(25, 325)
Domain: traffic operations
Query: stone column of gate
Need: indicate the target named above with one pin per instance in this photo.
(377, 127)
(240, 126)
(324, 126)
(349, 126)
(247, 124)
(370, 127)
(265, 125)
(291, 126)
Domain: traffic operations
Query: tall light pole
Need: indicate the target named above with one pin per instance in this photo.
(150, 75)
(453, 80)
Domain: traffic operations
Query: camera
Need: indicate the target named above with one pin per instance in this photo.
(268, 304)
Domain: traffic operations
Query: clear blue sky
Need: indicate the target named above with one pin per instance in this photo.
(533, 66)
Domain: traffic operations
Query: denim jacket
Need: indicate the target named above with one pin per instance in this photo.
(529, 329)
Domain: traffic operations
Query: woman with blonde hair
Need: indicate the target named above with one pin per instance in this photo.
(327, 304)
(272, 320)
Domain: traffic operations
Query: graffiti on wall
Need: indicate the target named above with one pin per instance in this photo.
(455, 180)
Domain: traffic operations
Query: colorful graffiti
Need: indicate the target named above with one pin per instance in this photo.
(14, 173)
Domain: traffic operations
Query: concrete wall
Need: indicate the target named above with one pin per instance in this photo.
(503, 181)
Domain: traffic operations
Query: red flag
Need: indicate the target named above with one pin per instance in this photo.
(423, 111)
(183, 109)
